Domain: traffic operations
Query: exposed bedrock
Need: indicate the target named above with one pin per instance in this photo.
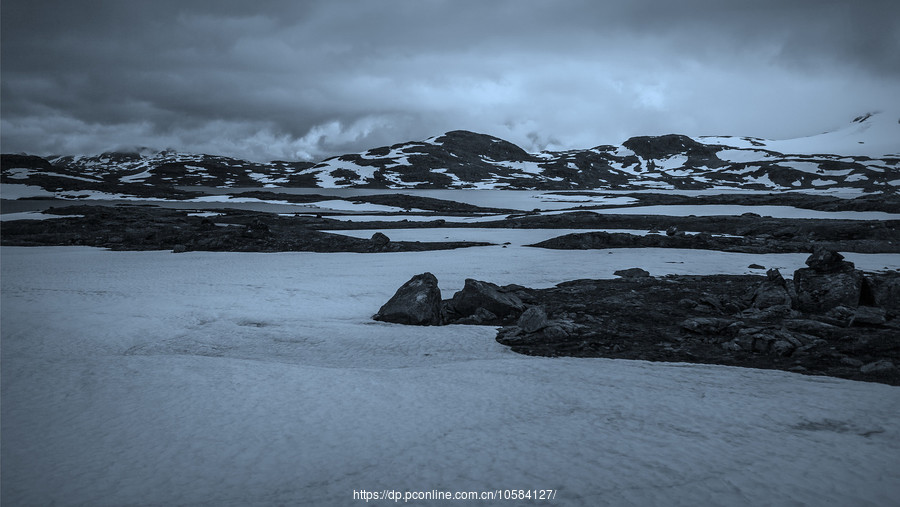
(830, 320)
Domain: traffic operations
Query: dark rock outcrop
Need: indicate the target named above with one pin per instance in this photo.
(828, 282)
(650, 319)
(380, 241)
(533, 319)
(883, 290)
(772, 292)
(868, 316)
(417, 302)
(823, 260)
(632, 273)
(477, 295)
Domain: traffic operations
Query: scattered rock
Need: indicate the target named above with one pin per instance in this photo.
(811, 327)
(839, 316)
(756, 266)
(417, 302)
(533, 319)
(868, 316)
(632, 273)
(827, 283)
(772, 292)
(555, 333)
(179, 248)
(853, 363)
(480, 317)
(687, 303)
(706, 325)
(783, 348)
(477, 294)
(380, 240)
(826, 261)
(880, 366)
(883, 290)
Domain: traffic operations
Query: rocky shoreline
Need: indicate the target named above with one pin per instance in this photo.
(789, 240)
(831, 319)
(150, 228)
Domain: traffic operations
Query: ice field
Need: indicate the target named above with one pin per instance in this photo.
(152, 378)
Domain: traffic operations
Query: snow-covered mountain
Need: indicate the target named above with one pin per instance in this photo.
(864, 155)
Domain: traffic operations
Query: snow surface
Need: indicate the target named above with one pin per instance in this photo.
(414, 218)
(21, 173)
(740, 155)
(876, 136)
(22, 191)
(704, 210)
(259, 379)
(33, 215)
(516, 237)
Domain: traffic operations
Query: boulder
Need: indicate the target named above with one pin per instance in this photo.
(706, 325)
(868, 316)
(417, 302)
(380, 240)
(555, 333)
(772, 292)
(533, 319)
(824, 260)
(632, 273)
(839, 316)
(476, 295)
(883, 290)
(478, 318)
(877, 367)
(829, 281)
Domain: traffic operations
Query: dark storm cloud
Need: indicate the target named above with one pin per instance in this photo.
(288, 79)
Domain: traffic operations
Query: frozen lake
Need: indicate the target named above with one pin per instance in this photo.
(522, 200)
(259, 379)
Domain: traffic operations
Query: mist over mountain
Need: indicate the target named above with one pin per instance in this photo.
(863, 155)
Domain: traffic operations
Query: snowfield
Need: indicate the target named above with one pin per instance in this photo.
(150, 378)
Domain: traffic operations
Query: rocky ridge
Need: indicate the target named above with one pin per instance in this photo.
(461, 159)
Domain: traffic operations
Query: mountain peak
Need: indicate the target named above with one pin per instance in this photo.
(464, 141)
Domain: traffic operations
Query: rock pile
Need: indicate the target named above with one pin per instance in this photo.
(418, 302)
(828, 282)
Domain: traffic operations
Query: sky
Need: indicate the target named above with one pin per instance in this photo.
(304, 80)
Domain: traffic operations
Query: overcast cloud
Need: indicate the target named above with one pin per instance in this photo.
(301, 80)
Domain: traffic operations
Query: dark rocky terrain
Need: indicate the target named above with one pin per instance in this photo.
(831, 319)
(151, 228)
(880, 238)
(147, 227)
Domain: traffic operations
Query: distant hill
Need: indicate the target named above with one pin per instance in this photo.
(865, 155)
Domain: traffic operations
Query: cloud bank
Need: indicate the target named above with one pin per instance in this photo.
(294, 80)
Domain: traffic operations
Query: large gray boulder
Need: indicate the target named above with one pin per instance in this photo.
(883, 290)
(477, 295)
(824, 260)
(417, 302)
(772, 292)
(828, 282)
(632, 273)
(533, 319)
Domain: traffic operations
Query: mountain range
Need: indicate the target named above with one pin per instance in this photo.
(865, 155)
